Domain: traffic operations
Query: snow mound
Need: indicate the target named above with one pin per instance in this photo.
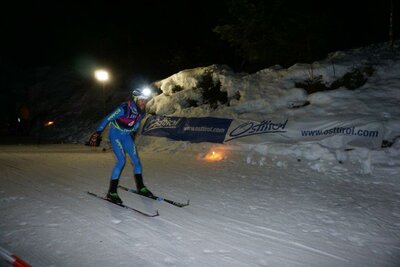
(361, 84)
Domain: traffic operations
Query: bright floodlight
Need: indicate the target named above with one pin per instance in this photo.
(101, 75)
(146, 91)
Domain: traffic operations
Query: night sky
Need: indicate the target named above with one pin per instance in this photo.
(143, 36)
(156, 38)
(149, 36)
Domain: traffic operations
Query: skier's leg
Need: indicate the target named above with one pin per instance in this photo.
(120, 156)
(130, 148)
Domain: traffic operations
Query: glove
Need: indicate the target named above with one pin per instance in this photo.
(95, 139)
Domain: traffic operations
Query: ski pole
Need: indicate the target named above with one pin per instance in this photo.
(12, 259)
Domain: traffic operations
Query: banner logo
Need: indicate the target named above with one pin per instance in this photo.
(162, 122)
(254, 128)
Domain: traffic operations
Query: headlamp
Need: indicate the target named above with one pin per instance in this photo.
(142, 93)
(146, 92)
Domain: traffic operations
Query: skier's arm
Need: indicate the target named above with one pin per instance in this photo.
(95, 138)
(137, 124)
(117, 113)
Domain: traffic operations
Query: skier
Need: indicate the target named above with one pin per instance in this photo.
(124, 121)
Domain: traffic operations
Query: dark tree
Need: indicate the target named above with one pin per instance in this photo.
(275, 31)
(284, 32)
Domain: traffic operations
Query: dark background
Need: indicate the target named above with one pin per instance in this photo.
(152, 39)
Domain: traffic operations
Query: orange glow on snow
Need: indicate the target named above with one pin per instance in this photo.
(214, 156)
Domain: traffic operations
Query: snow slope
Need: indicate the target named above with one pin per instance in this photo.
(280, 214)
(296, 203)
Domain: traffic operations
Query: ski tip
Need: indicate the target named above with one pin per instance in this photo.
(186, 204)
(156, 214)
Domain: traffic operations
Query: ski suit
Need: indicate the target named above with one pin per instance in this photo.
(124, 120)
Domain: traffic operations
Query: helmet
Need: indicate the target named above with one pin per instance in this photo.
(141, 93)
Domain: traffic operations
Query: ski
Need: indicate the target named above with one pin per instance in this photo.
(125, 206)
(160, 199)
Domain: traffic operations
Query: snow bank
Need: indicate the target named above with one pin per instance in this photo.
(274, 93)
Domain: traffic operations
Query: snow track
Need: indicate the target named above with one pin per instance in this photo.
(240, 214)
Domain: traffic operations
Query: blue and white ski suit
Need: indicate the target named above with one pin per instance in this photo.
(123, 121)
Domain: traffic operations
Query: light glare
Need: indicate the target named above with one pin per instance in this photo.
(146, 91)
(48, 123)
(101, 75)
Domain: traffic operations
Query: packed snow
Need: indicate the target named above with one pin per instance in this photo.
(327, 201)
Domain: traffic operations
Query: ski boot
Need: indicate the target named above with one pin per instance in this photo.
(112, 194)
(141, 188)
(113, 197)
(145, 192)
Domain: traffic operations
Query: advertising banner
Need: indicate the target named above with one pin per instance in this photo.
(195, 130)
(334, 133)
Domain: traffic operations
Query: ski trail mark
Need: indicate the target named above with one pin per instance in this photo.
(293, 243)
